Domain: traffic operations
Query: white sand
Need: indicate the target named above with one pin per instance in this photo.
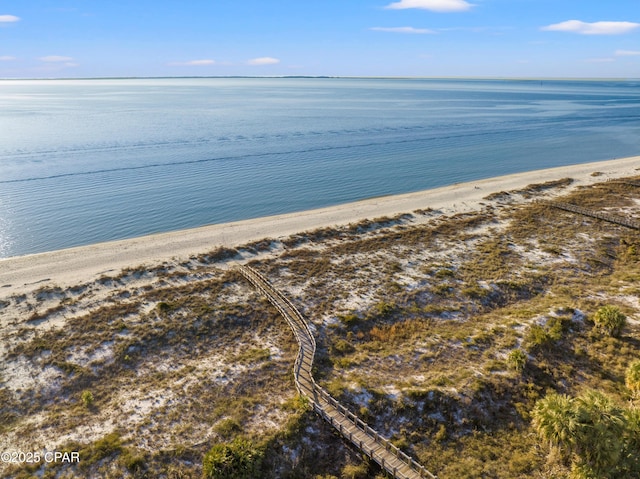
(82, 264)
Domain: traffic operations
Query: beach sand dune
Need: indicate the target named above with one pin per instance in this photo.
(83, 264)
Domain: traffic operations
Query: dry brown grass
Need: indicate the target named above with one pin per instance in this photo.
(415, 317)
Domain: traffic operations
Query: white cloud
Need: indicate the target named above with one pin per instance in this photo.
(420, 31)
(7, 58)
(263, 61)
(627, 53)
(9, 18)
(433, 5)
(596, 28)
(55, 59)
(194, 63)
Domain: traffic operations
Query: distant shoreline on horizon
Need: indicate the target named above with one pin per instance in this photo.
(479, 78)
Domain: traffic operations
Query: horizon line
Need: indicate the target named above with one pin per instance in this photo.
(382, 77)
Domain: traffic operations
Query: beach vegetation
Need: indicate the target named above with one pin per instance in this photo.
(547, 185)
(218, 255)
(517, 360)
(445, 332)
(108, 446)
(342, 347)
(163, 307)
(87, 398)
(349, 319)
(541, 336)
(609, 320)
(632, 378)
(228, 427)
(253, 355)
(355, 471)
(384, 309)
(591, 431)
(239, 459)
(133, 462)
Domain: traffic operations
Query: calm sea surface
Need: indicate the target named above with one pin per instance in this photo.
(83, 161)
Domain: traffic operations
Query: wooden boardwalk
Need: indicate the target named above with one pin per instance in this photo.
(389, 457)
(629, 223)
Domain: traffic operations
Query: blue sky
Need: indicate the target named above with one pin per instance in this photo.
(481, 38)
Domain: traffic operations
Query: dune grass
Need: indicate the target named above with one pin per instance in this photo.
(441, 332)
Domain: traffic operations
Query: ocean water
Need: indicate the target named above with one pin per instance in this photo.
(83, 161)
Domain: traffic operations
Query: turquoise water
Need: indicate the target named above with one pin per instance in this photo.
(83, 161)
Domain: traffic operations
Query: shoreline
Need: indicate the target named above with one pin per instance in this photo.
(81, 264)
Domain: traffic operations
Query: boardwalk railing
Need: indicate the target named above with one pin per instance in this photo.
(629, 223)
(378, 448)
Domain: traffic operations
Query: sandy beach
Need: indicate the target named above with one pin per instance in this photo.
(81, 264)
(156, 344)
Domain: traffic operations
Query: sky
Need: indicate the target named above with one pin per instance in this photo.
(417, 38)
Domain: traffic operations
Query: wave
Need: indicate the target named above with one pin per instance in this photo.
(436, 138)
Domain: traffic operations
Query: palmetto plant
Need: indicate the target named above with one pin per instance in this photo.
(599, 436)
(630, 456)
(555, 419)
(239, 459)
(600, 431)
(632, 378)
(610, 320)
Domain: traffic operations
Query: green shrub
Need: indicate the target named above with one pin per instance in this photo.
(349, 319)
(632, 378)
(517, 360)
(475, 291)
(545, 336)
(441, 433)
(630, 456)
(164, 307)
(582, 471)
(556, 327)
(553, 418)
(351, 471)
(342, 346)
(227, 427)
(133, 462)
(108, 446)
(610, 320)
(87, 398)
(537, 337)
(384, 310)
(600, 437)
(239, 459)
